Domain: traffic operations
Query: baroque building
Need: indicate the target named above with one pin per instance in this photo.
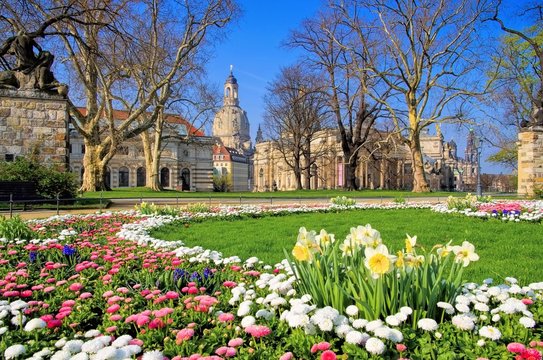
(185, 163)
(233, 151)
(384, 164)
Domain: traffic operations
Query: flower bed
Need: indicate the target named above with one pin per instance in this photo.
(531, 211)
(99, 287)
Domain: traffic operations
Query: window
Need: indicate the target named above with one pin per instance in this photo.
(140, 176)
(185, 179)
(182, 129)
(9, 157)
(165, 177)
(107, 178)
(82, 148)
(123, 176)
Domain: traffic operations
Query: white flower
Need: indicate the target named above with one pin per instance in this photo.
(61, 355)
(465, 253)
(427, 324)
(527, 322)
(111, 353)
(263, 313)
(73, 346)
(463, 308)
(92, 333)
(490, 332)
(372, 325)
(34, 324)
(248, 321)
(131, 350)
(479, 306)
(392, 320)
(463, 322)
(481, 343)
(395, 336)
(121, 341)
(325, 324)
(343, 330)
(406, 310)
(18, 320)
(375, 346)
(382, 332)
(351, 310)
(496, 317)
(14, 351)
(92, 346)
(449, 309)
(153, 355)
(80, 356)
(18, 305)
(354, 337)
(359, 323)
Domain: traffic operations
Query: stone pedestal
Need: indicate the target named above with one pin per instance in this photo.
(34, 123)
(530, 160)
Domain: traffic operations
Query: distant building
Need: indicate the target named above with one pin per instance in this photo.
(232, 156)
(384, 164)
(186, 163)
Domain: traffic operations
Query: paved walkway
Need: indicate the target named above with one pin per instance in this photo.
(128, 204)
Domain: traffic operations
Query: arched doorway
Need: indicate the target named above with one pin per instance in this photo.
(107, 178)
(140, 176)
(165, 177)
(124, 176)
(185, 179)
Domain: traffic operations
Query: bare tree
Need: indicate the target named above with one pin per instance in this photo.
(428, 60)
(109, 50)
(295, 113)
(330, 46)
(532, 37)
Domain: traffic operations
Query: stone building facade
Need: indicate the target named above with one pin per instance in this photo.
(185, 164)
(34, 123)
(383, 165)
(530, 160)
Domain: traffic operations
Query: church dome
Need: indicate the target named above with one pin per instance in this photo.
(231, 79)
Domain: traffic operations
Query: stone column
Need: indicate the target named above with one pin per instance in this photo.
(530, 160)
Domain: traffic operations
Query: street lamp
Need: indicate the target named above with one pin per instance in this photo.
(478, 146)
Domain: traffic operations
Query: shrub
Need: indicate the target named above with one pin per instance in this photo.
(469, 202)
(49, 181)
(343, 201)
(222, 183)
(15, 228)
(197, 208)
(152, 209)
(361, 271)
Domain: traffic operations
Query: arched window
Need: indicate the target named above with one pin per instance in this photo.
(107, 178)
(165, 177)
(227, 92)
(185, 179)
(124, 175)
(140, 176)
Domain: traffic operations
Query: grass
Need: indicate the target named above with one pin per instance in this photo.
(77, 204)
(505, 249)
(142, 192)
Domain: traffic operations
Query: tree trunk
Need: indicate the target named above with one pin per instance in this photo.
(350, 176)
(94, 169)
(152, 163)
(420, 184)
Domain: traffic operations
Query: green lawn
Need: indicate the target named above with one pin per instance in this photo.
(505, 249)
(140, 192)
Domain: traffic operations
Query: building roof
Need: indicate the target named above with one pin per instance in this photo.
(230, 154)
(170, 118)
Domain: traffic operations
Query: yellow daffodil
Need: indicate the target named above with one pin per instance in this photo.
(301, 253)
(324, 239)
(444, 250)
(306, 238)
(348, 247)
(365, 235)
(465, 253)
(413, 261)
(410, 243)
(399, 259)
(378, 260)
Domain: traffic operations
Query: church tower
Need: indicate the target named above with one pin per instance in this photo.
(231, 125)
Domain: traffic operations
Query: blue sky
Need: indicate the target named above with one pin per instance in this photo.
(254, 47)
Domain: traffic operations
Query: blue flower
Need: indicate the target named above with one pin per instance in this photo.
(195, 276)
(33, 255)
(68, 251)
(179, 274)
(207, 273)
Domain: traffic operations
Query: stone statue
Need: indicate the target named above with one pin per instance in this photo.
(31, 71)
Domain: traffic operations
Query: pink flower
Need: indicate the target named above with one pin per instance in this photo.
(229, 284)
(142, 320)
(156, 323)
(75, 287)
(258, 331)
(113, 308)
(85, 295)
(172, 295)
(184, 335)
(515, 347)
(111, 329)
(531, 354)
(328, 355)
(401, 347)
(68, 303)
(163, 312)
(115, 317)
(322, 346)
(527, 301)
(235, 342)
(136, 342)
(225, 317)
(287, 356)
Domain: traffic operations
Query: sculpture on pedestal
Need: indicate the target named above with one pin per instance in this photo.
(31, 71)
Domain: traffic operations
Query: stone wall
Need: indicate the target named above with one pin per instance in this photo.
(34, 122)
(530, 160)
